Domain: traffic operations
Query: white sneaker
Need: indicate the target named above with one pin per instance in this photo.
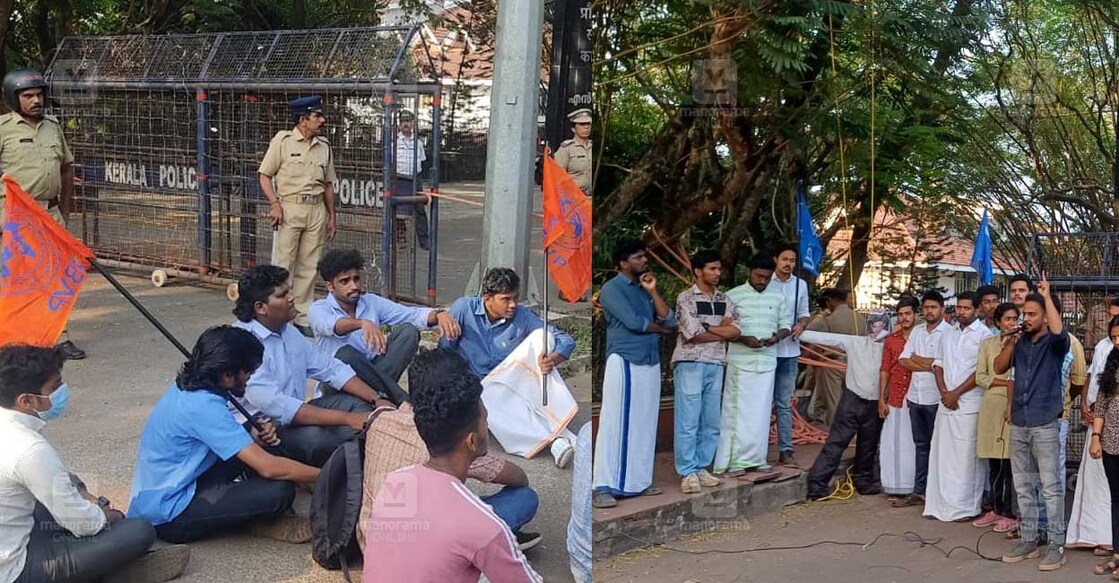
(707, 480)
(563, 452)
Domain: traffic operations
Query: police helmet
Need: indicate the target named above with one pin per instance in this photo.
(19, 80)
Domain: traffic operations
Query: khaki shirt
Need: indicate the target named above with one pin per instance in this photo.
(575, 158)
(298, 166)
(1078, 372)
(34, 155)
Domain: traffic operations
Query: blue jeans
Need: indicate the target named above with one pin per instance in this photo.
(784, 383)
(923, 420)
(1062, 461)
(699, 386)
(516, 505)
(1034, 460)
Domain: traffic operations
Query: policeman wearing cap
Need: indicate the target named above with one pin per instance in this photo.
(574, 155)
(410, 158)
(297, 177)
(34, 152)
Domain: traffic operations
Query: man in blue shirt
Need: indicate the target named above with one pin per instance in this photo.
(504, 343)
(192, 452)
(636, 318)
(1036, 401)
(347, 324)
(310, 431)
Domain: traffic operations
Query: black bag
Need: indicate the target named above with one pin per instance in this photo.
(336, 506)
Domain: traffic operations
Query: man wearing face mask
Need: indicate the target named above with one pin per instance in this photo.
(193, 452)
(33, 151)
(51, 527)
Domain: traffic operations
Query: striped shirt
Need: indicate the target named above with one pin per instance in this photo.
(694, 308)
(761, 315)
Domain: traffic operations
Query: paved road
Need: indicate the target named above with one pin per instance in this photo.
(859, 520)
(129, 367)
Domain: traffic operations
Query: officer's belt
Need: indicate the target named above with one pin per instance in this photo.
(301, 198)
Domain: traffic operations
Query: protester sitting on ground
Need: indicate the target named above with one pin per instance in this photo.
(51, 527)
(425, 524)
(347, 324)
(198, 471)
(393, 442)
(309, 432)
(504, 346)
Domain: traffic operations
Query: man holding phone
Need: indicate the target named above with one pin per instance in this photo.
(752, 364)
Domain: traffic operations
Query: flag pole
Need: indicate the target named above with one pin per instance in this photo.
(800, 260)
(544, 377)
(159, 326)
(547, 283)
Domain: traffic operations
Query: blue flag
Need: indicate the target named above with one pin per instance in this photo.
(981, 258)
(810, 250)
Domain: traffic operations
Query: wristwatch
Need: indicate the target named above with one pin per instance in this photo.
(103, 502)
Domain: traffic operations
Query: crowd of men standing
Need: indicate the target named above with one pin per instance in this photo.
(967, 418)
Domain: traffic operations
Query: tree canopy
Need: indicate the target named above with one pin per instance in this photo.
(961, 105)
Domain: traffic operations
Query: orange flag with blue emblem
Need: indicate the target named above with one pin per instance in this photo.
(42, 267)
(567, 231)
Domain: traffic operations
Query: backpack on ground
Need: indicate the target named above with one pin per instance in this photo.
(336, 506)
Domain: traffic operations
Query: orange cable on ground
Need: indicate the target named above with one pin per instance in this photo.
(804, 433)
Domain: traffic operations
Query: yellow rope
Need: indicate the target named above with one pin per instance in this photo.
(844, 488)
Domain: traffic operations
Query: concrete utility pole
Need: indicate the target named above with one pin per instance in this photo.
(511, 151)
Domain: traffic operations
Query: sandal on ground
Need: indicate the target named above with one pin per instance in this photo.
(1107, 568)
(1101, 552)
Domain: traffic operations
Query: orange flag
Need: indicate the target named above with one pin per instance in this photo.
(42, 267)
(567, 231)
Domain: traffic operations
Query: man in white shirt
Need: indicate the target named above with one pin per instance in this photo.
(921, 350)
(788, 350)
(51, 527)
(956, 474)
(856, 415)
(309, 431)
(409, 161)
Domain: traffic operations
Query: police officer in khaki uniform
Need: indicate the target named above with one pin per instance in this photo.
(574, 155)
(34, 152)
(301, 204)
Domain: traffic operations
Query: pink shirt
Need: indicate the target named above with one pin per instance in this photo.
(427, 526)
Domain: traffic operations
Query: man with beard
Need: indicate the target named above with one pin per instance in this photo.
(763, 322)
(33, 151)
(347, 324)
(1036, 404)
(188, 478)
(896, 454)
(795, 291)
(921, 350)
(955, 487)
(310, 431)
(636, 318)
(706, 322)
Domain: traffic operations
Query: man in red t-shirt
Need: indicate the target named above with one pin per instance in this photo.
(896, 451)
